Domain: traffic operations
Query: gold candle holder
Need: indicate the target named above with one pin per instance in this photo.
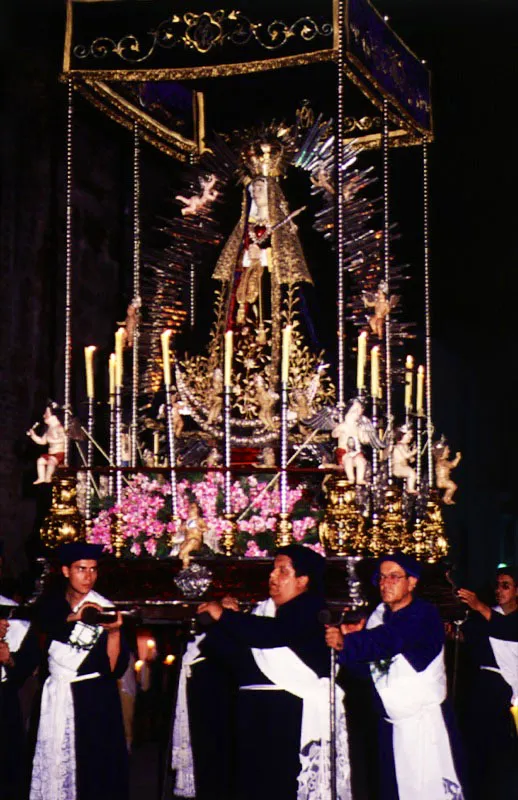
(116, 535)
(63, 522)
(283, 530)
(229, 536)
(342, 531)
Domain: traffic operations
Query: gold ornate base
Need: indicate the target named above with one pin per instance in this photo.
(283, 530)
(63, 523)
(429, 535)
(394, 532)
(116, 535)
(229, 536)
(342, 531)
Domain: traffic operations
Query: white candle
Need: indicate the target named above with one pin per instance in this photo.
(286, 344)
(362, 357)
(409, 375)
(166, 358)
(111, 373)
(227, 374)
(89, 364)
(420, 391)
(119, 363)
(375, 372)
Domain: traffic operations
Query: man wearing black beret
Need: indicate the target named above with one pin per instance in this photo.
(402, 646)
(81, 749)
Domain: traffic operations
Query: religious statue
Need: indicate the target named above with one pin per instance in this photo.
(193, 530)
(402, 454)
(54, 438)
(260, 271)
(213, 459)
(265, 240)
(382, 305)
(215, 396)
(194, 204)
(443, 467)
(355, 431)
(266, 400)
(267, 459)
(130, 323)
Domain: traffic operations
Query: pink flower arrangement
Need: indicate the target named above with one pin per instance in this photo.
(147, 528)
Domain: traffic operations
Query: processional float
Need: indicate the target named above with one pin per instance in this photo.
(264, 436)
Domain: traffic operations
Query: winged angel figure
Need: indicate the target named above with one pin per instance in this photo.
(352, 434)
(381, 305)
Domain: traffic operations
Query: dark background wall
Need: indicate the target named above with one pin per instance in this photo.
(469, 48)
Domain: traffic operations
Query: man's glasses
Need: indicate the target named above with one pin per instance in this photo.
(391, 578)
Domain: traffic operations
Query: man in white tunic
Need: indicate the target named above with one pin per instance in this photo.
(491, 641)
(81, 751)
(403, 647)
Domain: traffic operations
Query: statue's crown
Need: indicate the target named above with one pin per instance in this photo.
(264, 158)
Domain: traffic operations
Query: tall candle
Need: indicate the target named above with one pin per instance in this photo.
(166, 358)
(227, 374)
(111, 373)
(409, 367)
(375, 372)
(286, 344)
(514, 712)
(420, 391)
(89, 364)
(119, 363)
(362, 357)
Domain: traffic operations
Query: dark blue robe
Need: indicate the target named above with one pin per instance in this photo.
(101, 751)
(417, 633)
(491, 738)
(259, 739)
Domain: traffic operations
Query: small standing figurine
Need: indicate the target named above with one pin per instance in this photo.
(267, 459)
(355, 431)
(443, 467)
(215, 396)
(54, 438)
(266, 399)
(401, 455)
(193, 529)
(382, 305)
(131, 321)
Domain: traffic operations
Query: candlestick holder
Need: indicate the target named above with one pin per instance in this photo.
(117, 535)
(64, 522)
(395, 535)
(227, 451)
(229, 535)
(89, 463)
(283, 530)
(431, 528)
(172, 451)
(118, 444)
(342, 531)
(111, 451)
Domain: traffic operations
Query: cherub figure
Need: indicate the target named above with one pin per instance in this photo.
(402, 453)
(54, 438)
(193, 530)
(382, 305)
(215, 396)
(131, 321)
(194, 204)
(323, 181)
(443, 467)
(356, 430)
(213, 459)
(266, 399)
(267, 458)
